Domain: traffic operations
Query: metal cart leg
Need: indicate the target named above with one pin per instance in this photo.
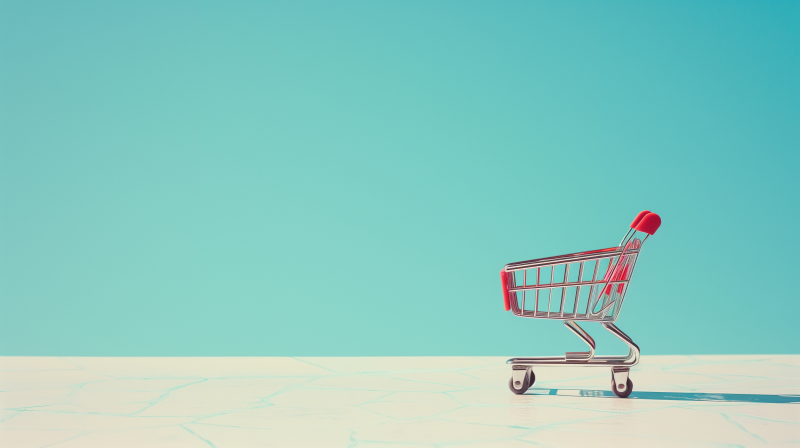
(633, 350)
(580, 356)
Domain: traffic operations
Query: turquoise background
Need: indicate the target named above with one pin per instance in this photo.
(348, 178)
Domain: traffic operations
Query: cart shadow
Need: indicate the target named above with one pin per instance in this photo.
(673, 396)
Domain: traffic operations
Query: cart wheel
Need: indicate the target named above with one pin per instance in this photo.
(622, 393)
(527, 382)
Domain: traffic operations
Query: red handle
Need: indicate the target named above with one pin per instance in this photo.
(649, 224)
(504, 281)
(639, 217)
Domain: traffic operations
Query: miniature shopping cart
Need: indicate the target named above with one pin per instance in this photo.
(586, 287)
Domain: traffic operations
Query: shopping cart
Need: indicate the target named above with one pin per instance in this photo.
(586, 287)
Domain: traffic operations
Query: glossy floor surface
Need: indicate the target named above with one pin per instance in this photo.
(393, 402)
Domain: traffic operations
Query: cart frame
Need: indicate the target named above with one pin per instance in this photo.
(608, 294)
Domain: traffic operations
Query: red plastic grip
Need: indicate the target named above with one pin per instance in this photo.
(639, 217)
(649, 224)
(504, 281)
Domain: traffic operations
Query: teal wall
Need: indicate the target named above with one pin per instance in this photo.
(348, 178)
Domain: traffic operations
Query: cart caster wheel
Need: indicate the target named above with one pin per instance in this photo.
(622, 393)
(527, 382)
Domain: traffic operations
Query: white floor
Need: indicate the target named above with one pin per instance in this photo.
(393, 402)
